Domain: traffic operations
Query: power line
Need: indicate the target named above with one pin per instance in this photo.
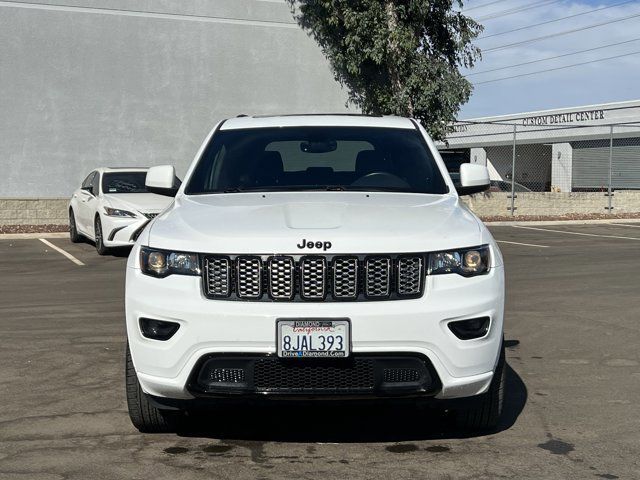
(552, 58)
(558, 34)
(141, 13)
(484, 5)
(556, 20)
(557, 68)
(511, 11)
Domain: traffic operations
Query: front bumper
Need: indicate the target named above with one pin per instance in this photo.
(357, 376)
(418, 328)
(122, 231)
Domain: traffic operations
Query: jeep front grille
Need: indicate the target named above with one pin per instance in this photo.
(218, 276)
(378, 277)
(281, 285)
(314, 277)
(249, 277)
(409, 280)
(345, 277)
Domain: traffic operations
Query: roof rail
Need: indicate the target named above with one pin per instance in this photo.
(317, 115)
(128, 168)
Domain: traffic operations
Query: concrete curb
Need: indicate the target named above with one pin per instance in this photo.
(562, 222)
(28, 236)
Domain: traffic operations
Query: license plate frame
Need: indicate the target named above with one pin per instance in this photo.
(343, 326)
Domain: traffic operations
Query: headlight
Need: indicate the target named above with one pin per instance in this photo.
(162, 263)
(466, 262)
(115, 212)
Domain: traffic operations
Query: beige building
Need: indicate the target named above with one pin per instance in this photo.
(566, 149)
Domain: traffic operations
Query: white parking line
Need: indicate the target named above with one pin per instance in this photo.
(58, 249)
(576, 233)
(523, 244)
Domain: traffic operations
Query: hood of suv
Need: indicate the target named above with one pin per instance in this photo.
(352, 222)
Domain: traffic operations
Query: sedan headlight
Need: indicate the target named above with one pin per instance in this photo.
(162, 263)
(116, 212)
(466, 262)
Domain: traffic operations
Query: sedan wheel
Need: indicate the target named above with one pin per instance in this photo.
(102, 250)
(74, 236)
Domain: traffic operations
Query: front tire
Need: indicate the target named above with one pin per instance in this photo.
(74, 236)
(100, 248)
(143, 414)
(485, 412)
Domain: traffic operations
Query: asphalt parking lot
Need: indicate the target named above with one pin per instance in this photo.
(572, 331)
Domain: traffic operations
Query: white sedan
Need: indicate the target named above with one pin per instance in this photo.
(113, 206)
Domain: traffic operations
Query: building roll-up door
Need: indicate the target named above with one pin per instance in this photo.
(590, 170)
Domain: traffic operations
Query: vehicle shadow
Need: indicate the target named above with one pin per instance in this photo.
(118, 252)
(344, 422)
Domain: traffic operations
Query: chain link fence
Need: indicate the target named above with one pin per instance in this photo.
(543, 168)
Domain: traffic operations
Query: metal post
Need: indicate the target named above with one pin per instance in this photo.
(513, 173)
(609, 190)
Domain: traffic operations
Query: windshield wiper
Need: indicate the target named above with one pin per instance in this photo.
(314, 188)
(290, 188)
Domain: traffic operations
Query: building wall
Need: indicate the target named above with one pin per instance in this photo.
(122, 83)
(34, 211)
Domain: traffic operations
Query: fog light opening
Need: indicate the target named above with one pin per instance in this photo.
(471, 328)
(158, 329)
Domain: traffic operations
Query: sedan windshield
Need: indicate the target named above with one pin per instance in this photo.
(317, 158)
(124, 182)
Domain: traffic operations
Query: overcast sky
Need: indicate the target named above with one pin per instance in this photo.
(601, 82)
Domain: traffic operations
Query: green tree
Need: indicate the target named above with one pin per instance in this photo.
(396, 57)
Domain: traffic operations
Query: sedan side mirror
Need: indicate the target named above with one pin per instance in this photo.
(473, 179)
(161, 180)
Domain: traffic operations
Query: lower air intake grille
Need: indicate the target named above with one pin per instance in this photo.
(227, 375)
(401, 375)
(356, 375)
(273, 375)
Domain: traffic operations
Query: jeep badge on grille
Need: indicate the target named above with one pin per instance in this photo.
(311, 244)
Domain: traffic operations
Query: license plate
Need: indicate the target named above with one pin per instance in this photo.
(313, 338)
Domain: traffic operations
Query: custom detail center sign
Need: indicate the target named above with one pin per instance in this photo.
(562, 118)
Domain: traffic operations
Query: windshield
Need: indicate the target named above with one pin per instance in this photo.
(317, 158)
(124, 182)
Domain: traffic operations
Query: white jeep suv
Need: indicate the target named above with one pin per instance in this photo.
(315, 257)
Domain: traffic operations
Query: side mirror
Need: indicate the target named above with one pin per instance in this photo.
(473, 179)
(161, 180)
(88, 189)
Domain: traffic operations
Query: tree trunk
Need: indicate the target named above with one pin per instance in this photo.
(393, 58)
